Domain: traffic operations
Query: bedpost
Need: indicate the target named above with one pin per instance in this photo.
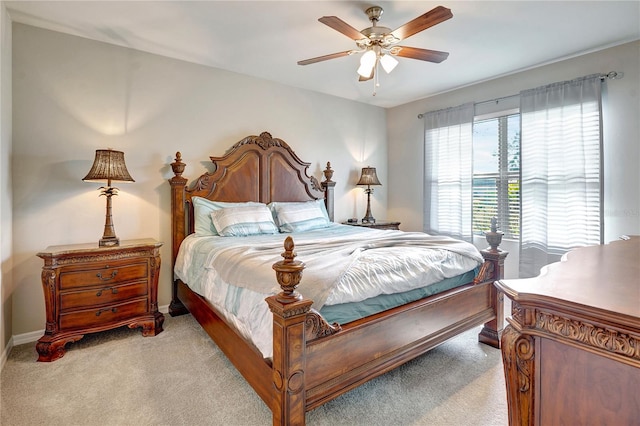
(492, 331)
(328, 186)
(178, 184)
(289, 312)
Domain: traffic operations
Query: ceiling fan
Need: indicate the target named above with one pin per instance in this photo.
(379, 45)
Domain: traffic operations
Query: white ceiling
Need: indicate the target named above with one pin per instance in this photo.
(265, 39)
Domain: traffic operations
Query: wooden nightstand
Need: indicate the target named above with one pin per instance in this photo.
(89, 289)
(379, 224)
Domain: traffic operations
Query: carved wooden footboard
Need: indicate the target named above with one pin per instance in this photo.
(314, 361)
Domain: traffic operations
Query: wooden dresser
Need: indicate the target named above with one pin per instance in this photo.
(571, 351)
(89, 289)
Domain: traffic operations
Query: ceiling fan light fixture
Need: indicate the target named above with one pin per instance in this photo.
(388, 62)
(365, 71)
(367, 62)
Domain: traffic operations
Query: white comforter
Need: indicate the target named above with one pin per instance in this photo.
(343, 264)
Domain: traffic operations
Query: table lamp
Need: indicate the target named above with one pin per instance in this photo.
(368, 177)
(108, 166)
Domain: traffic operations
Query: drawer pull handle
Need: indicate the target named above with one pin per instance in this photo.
(113, 291)
(113, 275)
(100, 311)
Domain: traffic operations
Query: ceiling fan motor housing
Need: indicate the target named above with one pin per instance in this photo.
(374, 13)
(375, 35)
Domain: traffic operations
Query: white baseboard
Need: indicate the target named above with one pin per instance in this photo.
(33, 336)
(19, 339)
(5, 354)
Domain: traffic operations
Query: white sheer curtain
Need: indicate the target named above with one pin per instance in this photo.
(448, 178)
(561, 171)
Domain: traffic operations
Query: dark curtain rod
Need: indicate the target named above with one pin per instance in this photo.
(611, 75)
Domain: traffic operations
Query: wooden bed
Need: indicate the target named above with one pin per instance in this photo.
(314, 362)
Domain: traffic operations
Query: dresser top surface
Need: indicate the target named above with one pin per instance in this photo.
(602, 277)
(86, 247)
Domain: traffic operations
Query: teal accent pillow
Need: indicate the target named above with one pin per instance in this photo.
(202, 209)
(299, 217)
(244, 221)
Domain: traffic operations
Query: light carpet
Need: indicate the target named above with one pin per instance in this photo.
(180, 377)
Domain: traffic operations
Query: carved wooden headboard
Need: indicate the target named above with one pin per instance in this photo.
(257, 168)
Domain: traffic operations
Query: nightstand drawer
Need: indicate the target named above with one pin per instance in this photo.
(105, 315)
(105, 275)
(102, 295)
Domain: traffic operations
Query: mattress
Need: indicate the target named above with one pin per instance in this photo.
(343, 313)
(350, 272)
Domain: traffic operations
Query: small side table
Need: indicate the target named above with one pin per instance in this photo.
(379, 224)
(89, 289)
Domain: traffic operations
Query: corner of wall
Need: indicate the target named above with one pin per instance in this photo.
(6, 204)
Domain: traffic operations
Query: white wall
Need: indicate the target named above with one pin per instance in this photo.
(621, 112)
(6, 262)
(72, 96)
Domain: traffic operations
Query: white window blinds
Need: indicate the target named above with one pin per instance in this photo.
(561, 167)
(448, 172)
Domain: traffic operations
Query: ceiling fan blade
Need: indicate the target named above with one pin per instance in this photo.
(422, 22)
(325, 57)
(341, 26)
(422, 54)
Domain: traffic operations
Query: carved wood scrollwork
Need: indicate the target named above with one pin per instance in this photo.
(524, 350)
(485, 273)
(202, 183)
(517, 313)
(101, 257)
(264, 141)
(48, 277)
(518, 360)
(315, 184)
(316, 326)
(606, 339)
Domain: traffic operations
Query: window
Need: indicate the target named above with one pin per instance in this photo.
(536, 166)
(496, 174)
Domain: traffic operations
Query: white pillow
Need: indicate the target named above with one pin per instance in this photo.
(298, 217)
(244, 221)
(202, 209)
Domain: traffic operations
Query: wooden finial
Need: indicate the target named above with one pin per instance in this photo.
(494, 237)
(288, 273)
(328, 173)
(178, 166)
(288, 254)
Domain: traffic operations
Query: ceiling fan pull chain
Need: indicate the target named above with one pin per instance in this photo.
(376, 83)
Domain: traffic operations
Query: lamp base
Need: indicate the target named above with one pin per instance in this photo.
(109, 242)
(368, 217)
(109, 238)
